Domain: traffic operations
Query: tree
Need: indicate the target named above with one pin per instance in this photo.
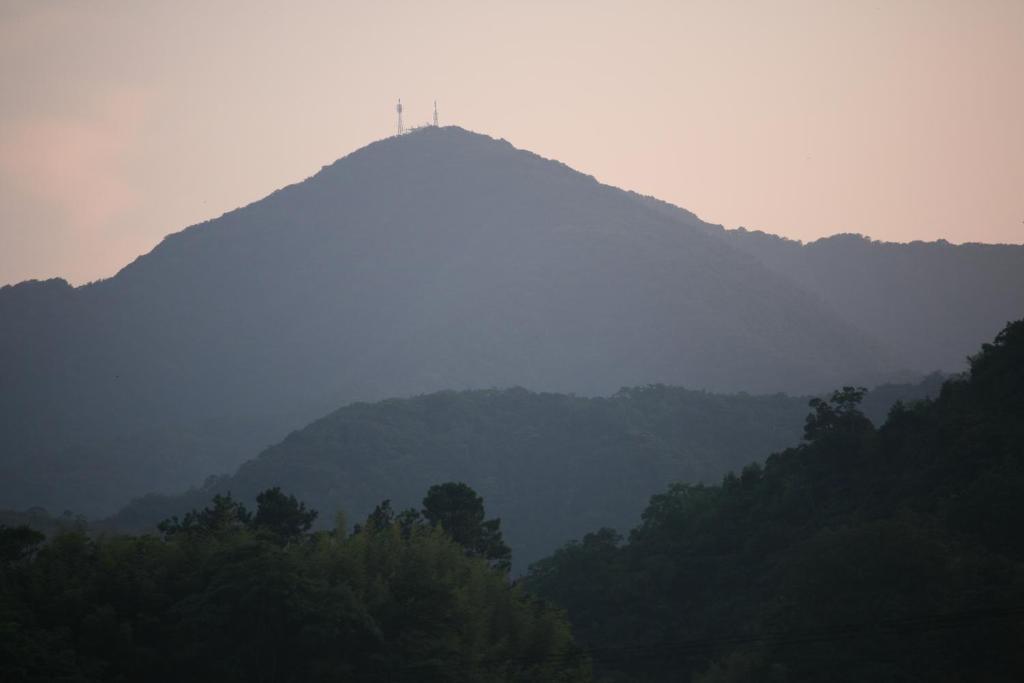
(224, 514)
(459, 511)
(382, 517)
(283, 516)
(18, 543)
(839, 415)
(221, 598)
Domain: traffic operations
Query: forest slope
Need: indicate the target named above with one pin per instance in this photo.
(551, 465)
(861, 554)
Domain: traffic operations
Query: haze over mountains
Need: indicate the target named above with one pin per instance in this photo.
(446, 259)
(927, 299)
(539, 460)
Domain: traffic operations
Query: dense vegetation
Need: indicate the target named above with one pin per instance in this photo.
(540, 460)
(883, 554)
(230, 595)
(886, 555)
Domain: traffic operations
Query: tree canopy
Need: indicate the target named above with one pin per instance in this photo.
(541, 460)
(887, 555)
(459, 511)
(227, 595)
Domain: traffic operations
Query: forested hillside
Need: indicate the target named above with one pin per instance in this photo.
(551, 465)
(231, 595)
(887, 554)
(445, 260)
(861, 554)
(438, 260)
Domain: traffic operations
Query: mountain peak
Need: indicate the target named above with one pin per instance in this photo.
(441, 259)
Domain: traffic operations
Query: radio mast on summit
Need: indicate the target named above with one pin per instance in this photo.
(398, 109)
(435, 113)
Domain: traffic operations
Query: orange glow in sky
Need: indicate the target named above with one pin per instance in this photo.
(121, 122)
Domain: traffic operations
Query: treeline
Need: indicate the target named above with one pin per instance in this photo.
(553, 466)
(232, 595)
(886, 554)
(890, 554)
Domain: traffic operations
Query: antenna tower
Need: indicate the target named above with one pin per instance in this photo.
(435, 113)
(398, 109)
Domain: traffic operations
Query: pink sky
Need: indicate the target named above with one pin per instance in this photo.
(121, 122)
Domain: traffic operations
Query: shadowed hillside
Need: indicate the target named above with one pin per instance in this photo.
(541, 461)
(889, 554)
(933, 301)
(930, 299)
(551, 465)
(441, 259)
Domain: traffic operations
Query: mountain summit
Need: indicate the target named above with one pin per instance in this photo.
(438, 259)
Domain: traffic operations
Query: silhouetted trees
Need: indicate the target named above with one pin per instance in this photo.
(457, 509)
(281, 515)
(518, 449)
(860, 554)
(228, 595)
(841, 414)
(18, 543)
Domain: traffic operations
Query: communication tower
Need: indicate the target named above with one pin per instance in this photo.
(398, 109)
(435, 113)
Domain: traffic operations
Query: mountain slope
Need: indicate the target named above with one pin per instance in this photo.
(440, 259)
(551, 465)
(934, 301)
(886, 555)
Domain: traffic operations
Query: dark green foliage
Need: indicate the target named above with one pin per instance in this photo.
(281, 515)
(278, 516)
(382, 517)
(222, 598)
(223, 516)
(885, 555)
(457, 509)
(18, 543)
(540, 460)
(879, 401)
(839, 416)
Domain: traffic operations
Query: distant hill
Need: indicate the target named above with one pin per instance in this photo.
(933, 301)
(551, 465)
(440, 259)
(928, 299)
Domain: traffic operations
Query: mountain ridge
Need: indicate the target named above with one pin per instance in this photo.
(539, 459)
(442, 259)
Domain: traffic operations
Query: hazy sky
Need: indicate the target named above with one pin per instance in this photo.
(121, 122)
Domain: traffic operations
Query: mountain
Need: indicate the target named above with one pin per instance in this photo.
(439, 259)
(551, 465)
(928, 299)
(539, 460)
(886, 554)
